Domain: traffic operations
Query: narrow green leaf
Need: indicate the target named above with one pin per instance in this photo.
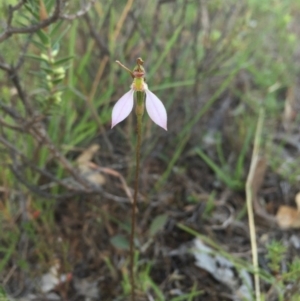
(8, 254)
(164, 54)
(60, 36)
(39, 45)
(43, 37)
(62, 61)
(36, 57)
(56, 81)
(47, 70)
(55, 28)
(55, 49)
(32, 9)
(242, 156)
(158, 224)
(120, 242)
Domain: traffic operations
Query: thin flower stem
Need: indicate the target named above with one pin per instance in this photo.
(139, 112)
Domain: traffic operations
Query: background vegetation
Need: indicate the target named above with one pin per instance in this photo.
(66, 178)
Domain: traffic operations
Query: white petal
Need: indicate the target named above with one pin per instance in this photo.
(156, 109)
(122, 108)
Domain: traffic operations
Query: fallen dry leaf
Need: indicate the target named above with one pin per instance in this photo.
(288, 217)
(85, 166)
(87, 288)
(223, 270)
(52, 279)
(87, 155)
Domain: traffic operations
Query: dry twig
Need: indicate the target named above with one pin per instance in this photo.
(250, 199)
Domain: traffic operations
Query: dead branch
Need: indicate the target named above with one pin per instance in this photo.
(80, 13)
(10, 30)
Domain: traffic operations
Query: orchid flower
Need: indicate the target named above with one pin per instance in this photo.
(124, 105)
(139, 95)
